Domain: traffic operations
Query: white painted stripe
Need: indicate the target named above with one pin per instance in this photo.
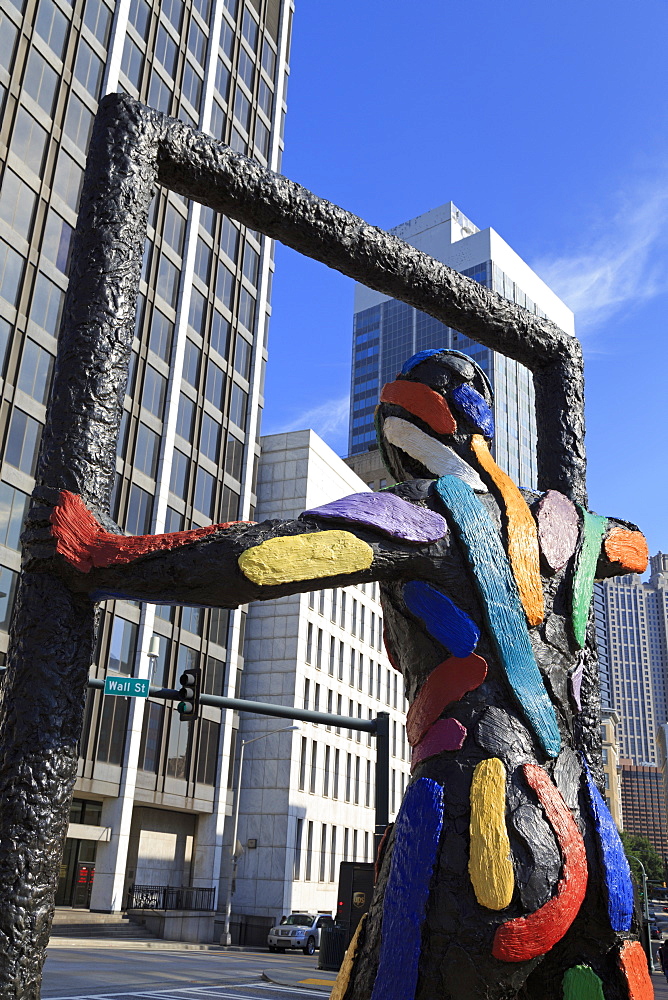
(440, 459)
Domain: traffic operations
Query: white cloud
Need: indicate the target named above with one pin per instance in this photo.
(625, 260)
(329, 420)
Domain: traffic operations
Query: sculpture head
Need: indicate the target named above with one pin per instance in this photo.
(439, 400)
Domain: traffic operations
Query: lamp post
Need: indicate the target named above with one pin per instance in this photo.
(226, 937)
(646, 910)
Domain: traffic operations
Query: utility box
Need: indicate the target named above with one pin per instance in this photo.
(355, 892)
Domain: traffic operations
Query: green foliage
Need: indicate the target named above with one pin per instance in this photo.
(641, 848)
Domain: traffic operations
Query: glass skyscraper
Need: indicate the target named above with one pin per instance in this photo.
(189, 440)
(387, 332)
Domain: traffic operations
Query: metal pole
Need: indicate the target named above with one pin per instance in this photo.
(226, 936)
(650, 961)
(382, 775)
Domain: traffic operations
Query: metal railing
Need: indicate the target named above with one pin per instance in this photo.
(167, 897)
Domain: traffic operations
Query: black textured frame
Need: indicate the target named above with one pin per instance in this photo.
(53, 631)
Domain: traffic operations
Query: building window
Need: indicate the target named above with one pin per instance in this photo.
(323, 851)
(309, 851)
(309, 642)
(113, 723)
(178, 748)
(302, 765)
(297, 866)
(149, 750)
(13, 509)
(35, 372)
(325, 776)
(138, 517)
(332, 857)
(17, 204)
(207, 758)
(335, 777)
(122, 646)
(314, 767)
(23, 442)
(11, 273)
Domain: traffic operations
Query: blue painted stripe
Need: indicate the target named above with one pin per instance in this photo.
(615, 865)
(421, 356)
(447, 623)
(475, 407)
(504, 611)
(416, 836)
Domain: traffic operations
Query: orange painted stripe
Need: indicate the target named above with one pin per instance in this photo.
(523, 551)
(628, 548)
(633, 963)
(422, 402)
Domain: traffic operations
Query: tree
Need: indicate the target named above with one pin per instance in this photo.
(640, 847)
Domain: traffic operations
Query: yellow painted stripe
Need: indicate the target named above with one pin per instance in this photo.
(345, 972)
(316, 982)
(305, 557)
(490, 867)
(523, 550)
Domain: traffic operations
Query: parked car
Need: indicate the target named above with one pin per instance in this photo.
(300, 930)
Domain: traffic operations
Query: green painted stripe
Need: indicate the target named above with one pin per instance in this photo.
(582, 983)
(593, 528)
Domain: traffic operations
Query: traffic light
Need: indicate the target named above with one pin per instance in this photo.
(191, 684)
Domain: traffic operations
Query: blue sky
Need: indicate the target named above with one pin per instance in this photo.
(546, 122)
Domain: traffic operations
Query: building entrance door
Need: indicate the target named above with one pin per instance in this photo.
(76, 873)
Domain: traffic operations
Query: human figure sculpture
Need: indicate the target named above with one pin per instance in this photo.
(504, 875)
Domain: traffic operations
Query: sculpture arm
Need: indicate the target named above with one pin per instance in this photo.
(623, 550)
(231, 564)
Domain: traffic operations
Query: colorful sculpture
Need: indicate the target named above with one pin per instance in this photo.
(486, 592)
(457, 554)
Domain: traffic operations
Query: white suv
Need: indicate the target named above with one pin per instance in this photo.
(300, 930)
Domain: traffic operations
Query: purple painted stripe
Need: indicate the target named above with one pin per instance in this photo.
(445, 734)
(388, 513)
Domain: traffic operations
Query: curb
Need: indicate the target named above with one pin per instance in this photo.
(133, 944)
(313, 986)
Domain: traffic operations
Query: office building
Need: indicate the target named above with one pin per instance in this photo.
(387, 332)
(611, 765)
(307, 797)
(632, 630)
(152, 793)
(644, 804)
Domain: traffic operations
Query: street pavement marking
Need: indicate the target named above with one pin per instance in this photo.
(194, 992)
(317, 982)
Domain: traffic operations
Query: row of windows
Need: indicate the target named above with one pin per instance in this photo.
(335, 844)
(352, 615)
(334, 773)
(358, 670)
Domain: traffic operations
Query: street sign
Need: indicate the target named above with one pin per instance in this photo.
(127, 687)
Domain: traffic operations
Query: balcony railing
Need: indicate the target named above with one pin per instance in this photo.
(167, 897)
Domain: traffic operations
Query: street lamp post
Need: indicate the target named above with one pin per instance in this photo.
(226, 937)
(646, 910)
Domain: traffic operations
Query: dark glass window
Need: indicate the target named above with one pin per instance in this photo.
(68, 180)
(8, 581)
(11, 273)
(178, 479)
(238, 404)
(268, 59)
(197, 308)
(229, 238)
(147, 450)
(203, 8)
(40, 81)
(262, 136)
(174, 228)
(242, 356)
(220, 333)
(13, 509)
(88, 69)
(6, 330)
(205, 493)
(132, 62)
(214, 675)
(168, 281)
(173, 11)
(225, 284)
(166, 51)
(242, 109)
(140, 14)
(222, 79)
(23, 442)
(185, 418)
(178, 747)
(10, 33)
(234, 456)
(191, 87)
(51, 25)
(207, 758)
(47, 305)
(266, 98)
(138, 518)
(97, 18)
(113, 723)
(155, 389)
(57, 240)
(192, 620)
(246, 69)
(149, 748)
(249, 28)
(251, 265)
(160, 338)
(209, 438)
(218, 623)
(207, 219)
(203, 255)
(191, 363)
(159, 94)
(17, 204)
(29, 141)
(173, 522)
(229, 506)
(214, 389)
(246, 309)
(122, 646)
(35, 372)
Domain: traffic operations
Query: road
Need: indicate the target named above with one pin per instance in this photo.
(92, 971)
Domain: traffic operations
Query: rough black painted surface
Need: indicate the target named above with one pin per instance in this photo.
(53, 629)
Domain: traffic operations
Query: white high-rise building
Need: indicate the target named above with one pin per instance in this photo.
(307, 797)
(387, 332)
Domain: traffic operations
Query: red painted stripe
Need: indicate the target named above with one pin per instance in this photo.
(527, 937)
(449, 682)
(86, 544)
(633, 963)
(422, 402)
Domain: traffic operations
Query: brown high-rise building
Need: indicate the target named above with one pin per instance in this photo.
(644, 804)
